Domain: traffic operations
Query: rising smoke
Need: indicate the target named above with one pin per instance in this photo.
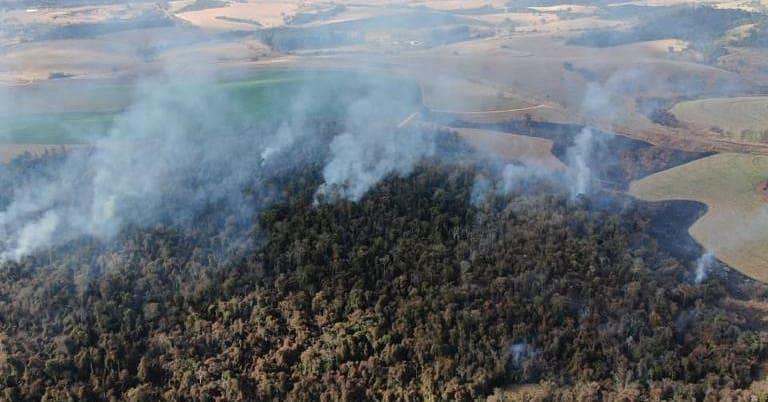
(704, 265)
(153, 166)
(183, 149)
(579, 157)
(519, 352)
(507, 178)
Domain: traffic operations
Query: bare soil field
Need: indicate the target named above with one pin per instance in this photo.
(733, 227)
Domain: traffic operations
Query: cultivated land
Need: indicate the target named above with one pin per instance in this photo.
(741, 118)
(246, 15)
(88, 112)
(514, 62)
(734, 226)
(82, 114)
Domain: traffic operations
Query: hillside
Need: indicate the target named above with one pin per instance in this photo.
(410, 294)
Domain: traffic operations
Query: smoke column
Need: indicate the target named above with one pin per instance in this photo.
(703, 265)
(578, 157)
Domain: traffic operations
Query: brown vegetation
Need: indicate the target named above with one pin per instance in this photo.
(410, 294)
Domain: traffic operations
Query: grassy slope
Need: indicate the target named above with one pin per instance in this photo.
(734, 227)
(730, 114)
(532, 150)
(263, 95)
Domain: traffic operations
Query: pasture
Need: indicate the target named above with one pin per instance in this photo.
(735, 226)
(512, 147)
(739, 118)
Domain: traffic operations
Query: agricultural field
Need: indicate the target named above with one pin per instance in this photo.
(731, 186)
(254, 99)
(496, 57)
(246, 15)
(740, 118)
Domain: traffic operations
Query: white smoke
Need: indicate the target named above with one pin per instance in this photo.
(35, 234)
(704, 265)
(369, 151)
(511, 178)
(578, 157)
(359, 161)
(519, 352)
(481, 188)
(183, 148)
(152, 157)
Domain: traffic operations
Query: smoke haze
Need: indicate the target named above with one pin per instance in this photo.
(182, 150)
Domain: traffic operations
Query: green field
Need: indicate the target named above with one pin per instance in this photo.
(86, 113)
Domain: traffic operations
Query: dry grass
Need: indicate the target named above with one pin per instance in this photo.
(66, 96)
(517, 18)
(75, 15)
(538, 113)
(562, 26)
(247, 50)
(735, 226)
(568, 8)
(520, 393)
(516, 72)
(265, 13)
(748, 62)
(733, 115)
(512, 147)
(36, 61)
(10, 151)
(449, 94)
(448, 5)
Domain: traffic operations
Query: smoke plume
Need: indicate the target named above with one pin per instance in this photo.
(579, 156)
(183, 149)
(508, 178)
(704, 265)
(358, 161)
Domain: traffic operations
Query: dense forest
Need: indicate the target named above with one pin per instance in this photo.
(412, 293)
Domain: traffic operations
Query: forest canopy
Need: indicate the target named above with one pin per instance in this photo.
(412, 293)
